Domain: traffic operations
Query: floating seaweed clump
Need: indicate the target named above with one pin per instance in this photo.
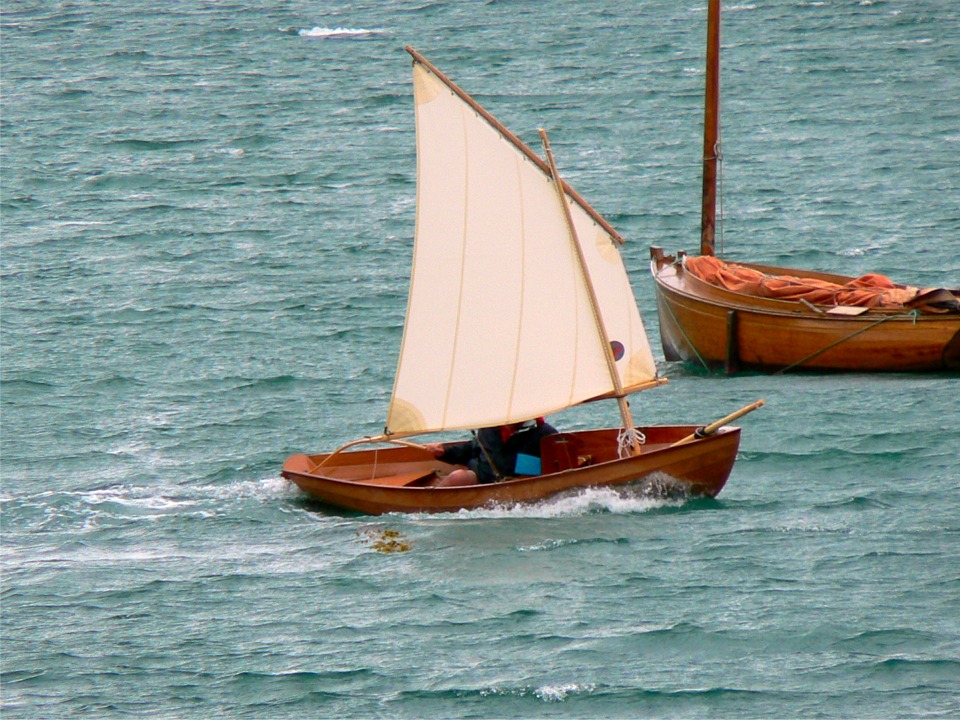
(387, 541)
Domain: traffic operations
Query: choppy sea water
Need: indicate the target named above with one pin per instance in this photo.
(207, 211)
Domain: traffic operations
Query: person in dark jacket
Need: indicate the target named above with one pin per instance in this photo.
(494, 453)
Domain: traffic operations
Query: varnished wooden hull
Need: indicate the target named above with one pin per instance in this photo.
(702, 322)
(370, 481)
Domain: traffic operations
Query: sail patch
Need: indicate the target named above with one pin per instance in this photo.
(405, 418)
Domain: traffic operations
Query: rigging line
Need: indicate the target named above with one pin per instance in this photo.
(685, 336)
(719, 153)
(493, 466)
(912, 314)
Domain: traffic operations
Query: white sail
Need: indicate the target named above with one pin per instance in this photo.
(499, 323)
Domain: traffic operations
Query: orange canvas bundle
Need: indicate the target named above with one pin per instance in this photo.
(870, 290)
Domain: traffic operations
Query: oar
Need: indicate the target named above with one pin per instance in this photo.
(713, 427)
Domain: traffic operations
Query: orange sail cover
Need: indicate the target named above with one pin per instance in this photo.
(874, 291)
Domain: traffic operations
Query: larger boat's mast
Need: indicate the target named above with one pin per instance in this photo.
(711, 130)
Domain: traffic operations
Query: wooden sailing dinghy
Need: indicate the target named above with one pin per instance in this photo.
(783, 318)
(519, 307)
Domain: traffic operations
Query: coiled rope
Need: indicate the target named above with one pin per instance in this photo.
(628, 439)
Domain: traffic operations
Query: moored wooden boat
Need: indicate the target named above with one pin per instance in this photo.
(401, 479)
(519, 307)
(708, 323)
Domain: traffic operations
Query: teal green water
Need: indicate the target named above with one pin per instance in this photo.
(207, 211)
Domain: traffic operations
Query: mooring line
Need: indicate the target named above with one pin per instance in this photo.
(913, 313)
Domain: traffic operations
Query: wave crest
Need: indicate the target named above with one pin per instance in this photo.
(325, 32)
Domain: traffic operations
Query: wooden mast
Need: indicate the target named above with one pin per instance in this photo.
(711, 130)
(594, 303)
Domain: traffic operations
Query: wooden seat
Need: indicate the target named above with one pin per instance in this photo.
(400, 480)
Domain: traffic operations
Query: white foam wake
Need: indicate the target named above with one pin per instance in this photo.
(323, 32)
(623, 500)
